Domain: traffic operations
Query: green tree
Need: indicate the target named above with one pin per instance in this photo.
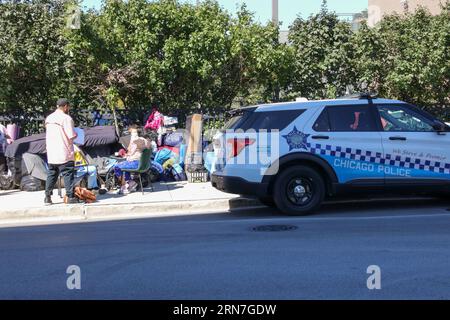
(323, 55)
(31, 55)
(407, 58)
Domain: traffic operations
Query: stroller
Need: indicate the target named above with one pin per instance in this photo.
(111, 181)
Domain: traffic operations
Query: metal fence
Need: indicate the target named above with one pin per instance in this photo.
(27, 126)
(33, 125)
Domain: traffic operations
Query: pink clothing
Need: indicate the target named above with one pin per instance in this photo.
(154, 121)
(60, 133)
(3, 140)
(12, 132)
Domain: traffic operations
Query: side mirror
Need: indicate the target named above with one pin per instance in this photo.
(439, 127)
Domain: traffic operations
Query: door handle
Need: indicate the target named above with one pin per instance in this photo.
(320, 137)
(398, 138)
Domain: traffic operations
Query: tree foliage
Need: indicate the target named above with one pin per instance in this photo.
(31, 55)
(323, 55)
(407, 58)
(187, 58)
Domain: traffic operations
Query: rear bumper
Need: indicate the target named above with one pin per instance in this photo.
(238, 185)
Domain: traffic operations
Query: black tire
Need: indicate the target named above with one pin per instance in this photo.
(299, 190)
(267, 201)
(111, 181)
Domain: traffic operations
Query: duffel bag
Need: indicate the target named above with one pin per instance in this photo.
(173, 139)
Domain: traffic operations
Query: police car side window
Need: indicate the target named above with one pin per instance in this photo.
(322, 123)
(350, 119)
(402, 118)
(271, 120)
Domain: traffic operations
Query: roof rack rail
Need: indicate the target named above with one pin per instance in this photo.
(361, 95)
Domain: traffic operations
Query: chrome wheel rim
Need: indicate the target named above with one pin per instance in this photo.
(300, 191)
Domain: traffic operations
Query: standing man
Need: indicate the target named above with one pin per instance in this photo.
(60, 134)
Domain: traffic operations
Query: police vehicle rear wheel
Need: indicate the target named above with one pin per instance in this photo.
(299, 190)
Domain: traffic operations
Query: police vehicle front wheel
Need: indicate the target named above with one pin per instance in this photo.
(299, 190)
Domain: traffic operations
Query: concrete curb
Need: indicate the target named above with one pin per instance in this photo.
(57, 213)
(86, 212)
(156, 208)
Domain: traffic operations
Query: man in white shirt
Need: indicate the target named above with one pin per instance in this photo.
(60, 134)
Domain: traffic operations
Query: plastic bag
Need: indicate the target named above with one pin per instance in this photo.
(31, 184)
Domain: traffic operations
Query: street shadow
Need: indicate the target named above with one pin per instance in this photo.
(369, 205)
(362, 206)
(147, 191)
(173, 185)
(8, 192)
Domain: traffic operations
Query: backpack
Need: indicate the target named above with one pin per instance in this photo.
(163, 155)
(157, 167)
(178, 173)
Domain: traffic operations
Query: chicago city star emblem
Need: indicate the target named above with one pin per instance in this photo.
(296, 139)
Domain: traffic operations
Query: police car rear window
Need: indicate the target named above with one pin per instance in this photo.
(270, 120)
(238, 117)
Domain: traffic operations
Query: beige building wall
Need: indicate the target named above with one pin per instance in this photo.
(378, 8)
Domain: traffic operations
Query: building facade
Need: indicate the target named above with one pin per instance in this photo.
(378, 8)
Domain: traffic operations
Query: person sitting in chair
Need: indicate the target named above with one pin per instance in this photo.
(82, 168)
(133, 155)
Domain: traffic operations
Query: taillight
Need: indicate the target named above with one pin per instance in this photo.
(237, 145)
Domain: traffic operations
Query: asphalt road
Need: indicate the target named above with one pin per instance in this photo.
(220, 256)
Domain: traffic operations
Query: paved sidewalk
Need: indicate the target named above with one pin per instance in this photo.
(167, 198)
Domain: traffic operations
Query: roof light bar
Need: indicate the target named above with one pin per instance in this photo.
(361, 95)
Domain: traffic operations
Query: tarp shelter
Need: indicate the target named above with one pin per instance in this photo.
(35, 144)
(35, 165)
(99, 142)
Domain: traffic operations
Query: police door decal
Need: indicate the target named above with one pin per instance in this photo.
(346, 161)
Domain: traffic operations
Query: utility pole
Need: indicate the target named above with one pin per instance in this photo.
(275, 18)
(275, 21)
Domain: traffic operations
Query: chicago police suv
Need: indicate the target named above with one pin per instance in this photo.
(294, 154)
